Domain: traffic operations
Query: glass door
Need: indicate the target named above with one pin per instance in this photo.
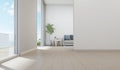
(39, 40)
(7, 27)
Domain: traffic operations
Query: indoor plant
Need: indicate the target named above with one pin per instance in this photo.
(50, 30)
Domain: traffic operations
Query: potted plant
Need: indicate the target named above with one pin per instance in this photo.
(38, 42)
(50, 30)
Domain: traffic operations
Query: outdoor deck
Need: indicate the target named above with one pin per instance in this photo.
(6, 52)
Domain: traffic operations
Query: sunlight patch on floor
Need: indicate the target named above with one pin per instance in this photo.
(44, 48)
(17, 63)
(55, 48)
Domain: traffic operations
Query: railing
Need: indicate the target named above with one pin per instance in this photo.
(4, 40)
(6, 45)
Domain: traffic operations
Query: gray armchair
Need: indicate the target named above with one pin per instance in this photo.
(68, 40)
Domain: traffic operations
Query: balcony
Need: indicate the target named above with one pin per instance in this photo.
(6, 46)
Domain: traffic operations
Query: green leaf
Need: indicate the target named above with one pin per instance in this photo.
(50, 29)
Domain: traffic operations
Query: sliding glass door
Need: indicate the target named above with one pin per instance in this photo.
(39, 40)
(7, 29)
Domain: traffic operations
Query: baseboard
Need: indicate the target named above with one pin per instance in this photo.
(28, 51)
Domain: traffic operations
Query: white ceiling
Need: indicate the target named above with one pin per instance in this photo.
(66, 2)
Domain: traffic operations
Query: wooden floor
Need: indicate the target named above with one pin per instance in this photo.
(65, 59)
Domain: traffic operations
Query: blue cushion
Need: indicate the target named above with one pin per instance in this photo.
(71, 37)
(67, 37)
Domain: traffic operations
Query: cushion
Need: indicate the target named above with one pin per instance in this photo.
(67, 37)
(71, 37)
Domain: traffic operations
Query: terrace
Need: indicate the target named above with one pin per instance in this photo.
(6, 47)
(6, 52)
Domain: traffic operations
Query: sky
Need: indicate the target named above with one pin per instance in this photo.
(7, 18)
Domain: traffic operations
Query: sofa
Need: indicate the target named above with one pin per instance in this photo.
(68, 40)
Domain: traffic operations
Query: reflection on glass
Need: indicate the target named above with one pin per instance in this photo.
(6, 28)
(38, 22)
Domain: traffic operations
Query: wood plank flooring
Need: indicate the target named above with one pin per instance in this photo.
(65, 59)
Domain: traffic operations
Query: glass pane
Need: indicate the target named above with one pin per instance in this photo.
(38, 22)
(6, 28)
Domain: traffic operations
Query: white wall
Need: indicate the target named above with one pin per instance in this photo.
(62, 18)
(27, 25)
(97, 24)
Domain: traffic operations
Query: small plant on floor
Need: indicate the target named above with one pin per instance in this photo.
(38, 42)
